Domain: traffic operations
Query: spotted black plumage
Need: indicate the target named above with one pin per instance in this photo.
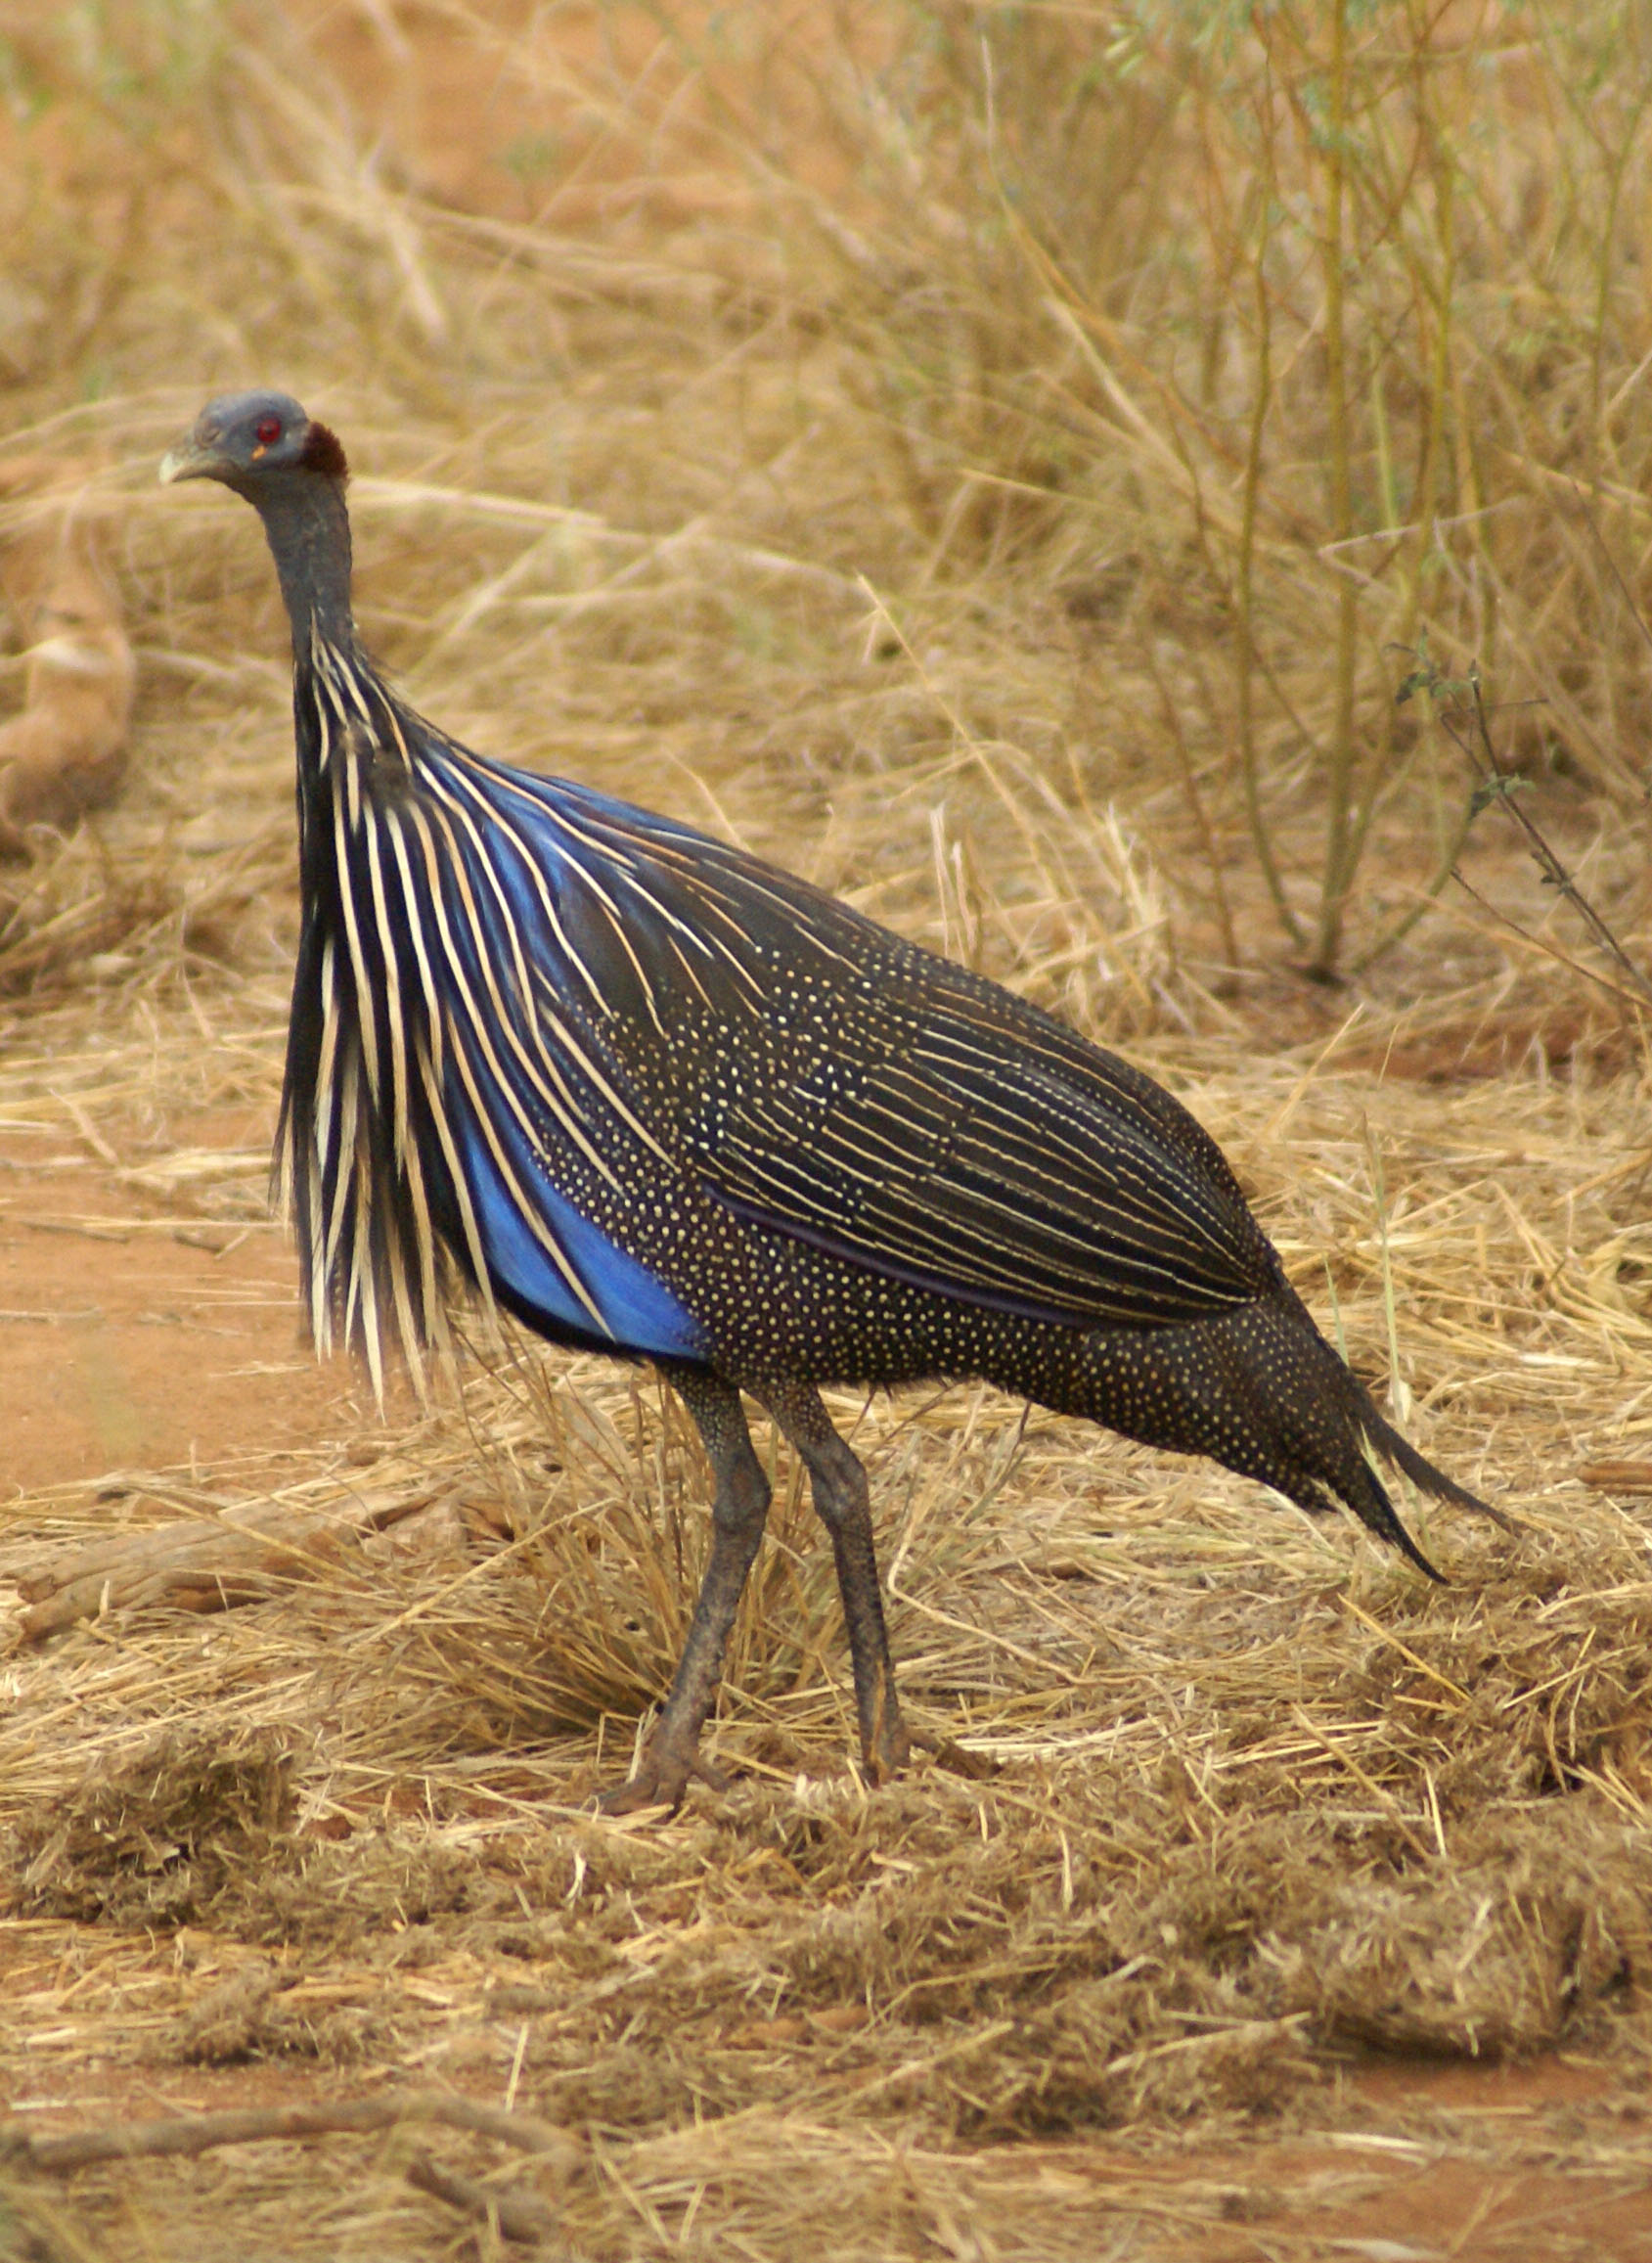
(658, 1099)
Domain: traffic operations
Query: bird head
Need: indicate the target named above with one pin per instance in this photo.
(242, 438)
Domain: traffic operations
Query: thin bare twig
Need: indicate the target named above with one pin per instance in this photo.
(189, 2135)
(1500, 785)
(518, 2213)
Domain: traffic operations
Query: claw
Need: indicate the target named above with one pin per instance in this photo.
(660, 1778)
(888, 1752)
(954, 1758)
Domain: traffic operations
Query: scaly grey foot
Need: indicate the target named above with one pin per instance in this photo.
(660, 1778)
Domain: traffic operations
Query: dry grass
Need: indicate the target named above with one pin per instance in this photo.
(850, 429)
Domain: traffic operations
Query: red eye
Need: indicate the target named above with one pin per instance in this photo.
(269, 432)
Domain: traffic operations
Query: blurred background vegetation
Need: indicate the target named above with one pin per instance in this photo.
(1005, 460)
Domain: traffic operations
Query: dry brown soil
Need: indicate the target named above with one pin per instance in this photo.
(133, 1339)
(135, 1335)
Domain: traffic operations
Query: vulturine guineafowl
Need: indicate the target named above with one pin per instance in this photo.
(655, 1098)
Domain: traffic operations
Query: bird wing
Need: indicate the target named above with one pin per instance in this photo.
(967, 1161)
(824, 1079)
(829, 1081)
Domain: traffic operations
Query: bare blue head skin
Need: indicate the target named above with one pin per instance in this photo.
(292, 471)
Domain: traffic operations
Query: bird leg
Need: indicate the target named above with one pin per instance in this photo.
(738, 1510)
(842, 1504)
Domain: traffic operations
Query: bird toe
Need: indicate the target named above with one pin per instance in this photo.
(660, 1778)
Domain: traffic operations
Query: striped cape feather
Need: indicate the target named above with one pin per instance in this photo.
(524, 1013)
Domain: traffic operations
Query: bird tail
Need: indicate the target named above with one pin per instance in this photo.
(1359, 1486)
(1388, 1442)
(1260, 1390)
(1342, 1465)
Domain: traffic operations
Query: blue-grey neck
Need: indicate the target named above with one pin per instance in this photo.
(309, 536)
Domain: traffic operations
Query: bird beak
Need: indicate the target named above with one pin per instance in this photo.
(189, 460)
